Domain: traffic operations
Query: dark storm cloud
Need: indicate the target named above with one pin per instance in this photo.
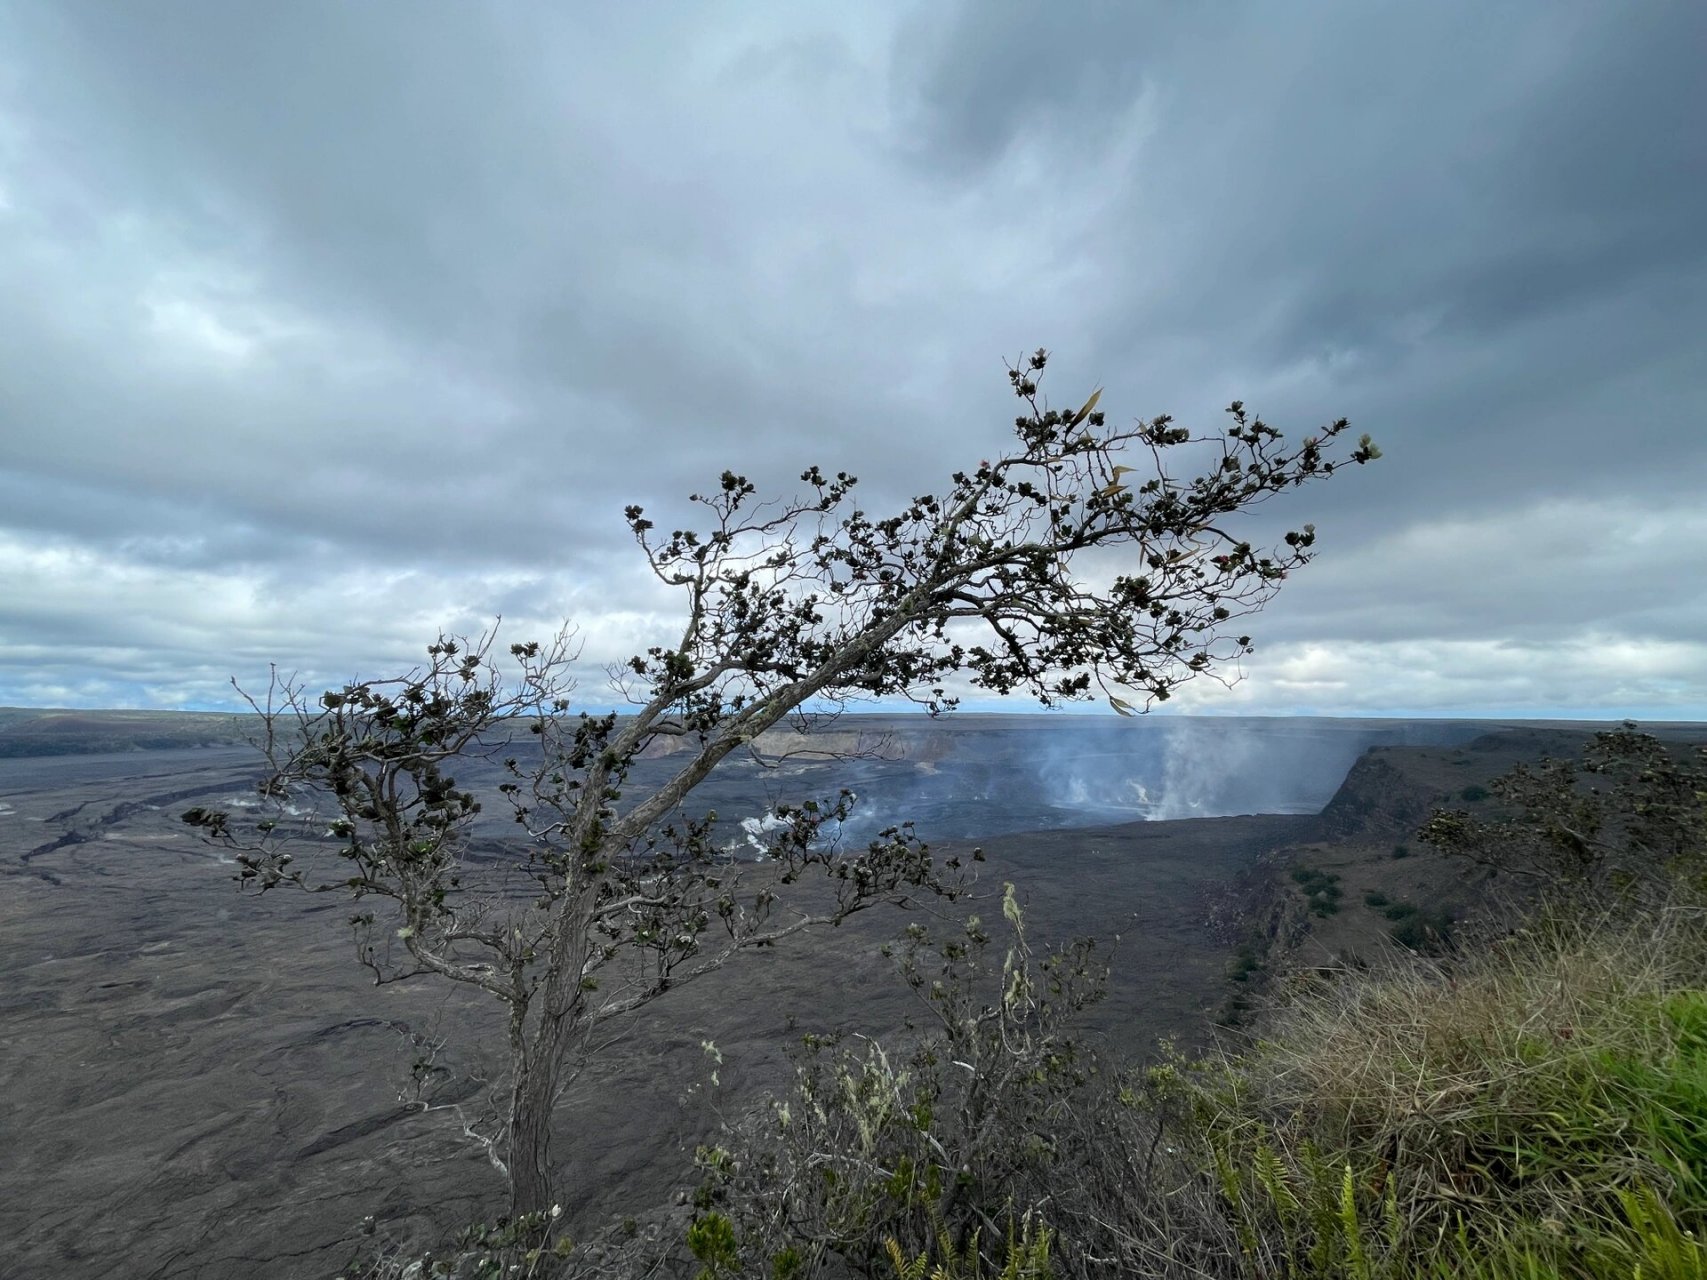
(329, 324)
(1337, 193)
(976, 77)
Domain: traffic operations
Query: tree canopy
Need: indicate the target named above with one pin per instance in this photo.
(1072, 564)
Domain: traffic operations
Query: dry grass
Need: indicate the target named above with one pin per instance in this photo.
(1509, 1106)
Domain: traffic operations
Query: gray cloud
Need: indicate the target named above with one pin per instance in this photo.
(330, 324)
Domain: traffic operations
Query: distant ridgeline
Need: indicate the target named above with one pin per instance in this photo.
(966, 776)
(35, 731)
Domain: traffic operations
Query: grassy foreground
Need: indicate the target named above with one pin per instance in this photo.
(1538, 1110)
(1532, 1105)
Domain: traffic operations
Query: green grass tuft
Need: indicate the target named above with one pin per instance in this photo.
(1540, 1110)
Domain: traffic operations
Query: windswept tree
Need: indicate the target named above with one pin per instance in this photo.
(1070, 565)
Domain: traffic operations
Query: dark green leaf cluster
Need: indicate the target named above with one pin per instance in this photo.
(1630, 815)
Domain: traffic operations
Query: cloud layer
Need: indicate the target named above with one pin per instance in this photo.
(326, 326)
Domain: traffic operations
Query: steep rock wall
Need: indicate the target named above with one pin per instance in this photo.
(1379, 799)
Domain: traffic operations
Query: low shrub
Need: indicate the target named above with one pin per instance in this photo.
(1426, 930)
(1626, 823)
(1539, 1111)
(994, 1143)
(1245, 962)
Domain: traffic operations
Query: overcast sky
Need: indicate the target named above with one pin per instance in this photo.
(325, 326)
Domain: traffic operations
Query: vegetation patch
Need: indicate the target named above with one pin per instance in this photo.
(1321, 889)
(1428, 930)
(1536, 1113)
(1244, 963)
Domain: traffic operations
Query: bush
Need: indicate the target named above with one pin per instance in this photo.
(1428, 931)
(996, 1144)
(1245, 962)
(1322, 891)
(1628, 822)
(879, 1155)
(1540, 1111)
(1474, 792)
